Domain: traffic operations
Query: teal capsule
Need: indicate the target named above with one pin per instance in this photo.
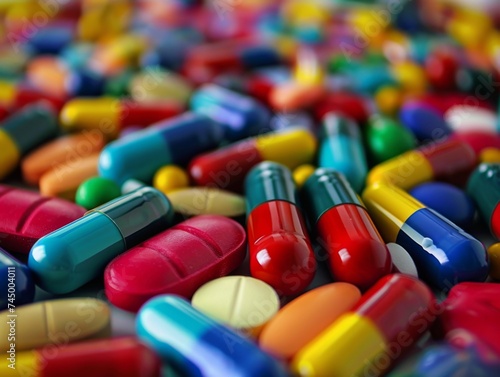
(73, 255)
(341, 148)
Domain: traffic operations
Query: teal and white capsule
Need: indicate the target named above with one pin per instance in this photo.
(73, 255)
(341, 148)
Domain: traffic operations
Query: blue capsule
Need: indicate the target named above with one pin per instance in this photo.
(174, 141)
(197, 345)
(425, 122)
(16, 283)
(51, 40)
(73, 255)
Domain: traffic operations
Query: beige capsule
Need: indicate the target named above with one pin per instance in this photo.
(56, 322)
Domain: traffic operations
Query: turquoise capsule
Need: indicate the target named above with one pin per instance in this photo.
(341, 148)
(71, 256)
(197, 345)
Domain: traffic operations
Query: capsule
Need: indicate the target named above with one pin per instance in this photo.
(177, 261)
(463, 118)
(484, 188)
(227, 167)
(357, 253)
(341, 148)
(23, 131)
(27, 216)
(110, 115)
(17, 284)
(73, 255)
(279, 247)
(199, 346)
(174, 141)
(124, 357)
(437, 160)
(351, 105)
(15, 96)
(443, 253)
(241, 116)
(424, 122)
(388, 320)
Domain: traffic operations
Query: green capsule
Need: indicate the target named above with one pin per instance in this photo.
(96, 191)
(385, 138)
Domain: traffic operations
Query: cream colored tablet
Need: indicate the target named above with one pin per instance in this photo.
(241, 302)
(54, 322)
(207, 201)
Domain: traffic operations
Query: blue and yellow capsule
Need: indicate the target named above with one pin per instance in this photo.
(443, 253)
(174, 141)
(341, 149)
(71, 256)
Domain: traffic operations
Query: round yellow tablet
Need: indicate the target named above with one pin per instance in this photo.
(169, 178)
(241, 302)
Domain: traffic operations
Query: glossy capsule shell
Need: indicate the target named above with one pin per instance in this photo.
(28, 216)
(194, 201)
(279, 247)
(21, 132)
(341, 148)
(433, 161)
(484, 188)
(124, 357)
(395, 311)
(357, 253)
(227, 167)
(443, 253)
(177, 261)
(173, 141)
(78, 252)
(241, 116)
(17, 284)
(110, 115)
(198, 345)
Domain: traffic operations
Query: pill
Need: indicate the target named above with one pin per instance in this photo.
(389, 100)
(110, 115)
(16, 95)
(96, 191)
(73, 255)
(401, 260)
(60, 151)
(341, 148)
(484, 188)
(386, 138)
(424, 122)
(240, 302)
(17, 283)
(441, 66)
(177, 261)
(444, 254)
(207, 201)
(173, 141)
(432, 161)
(448, 200)
(494, 258)
(356, 252)
(227, 167)
(473, 307)
(293, 96)
(301, 173)
(397, 306)
(50, 40)
(276, 337)
(197, 345)
(241, 116)
(169, 178)
(57, 321)
(279, 247)
(125, 357)
(471, 118)
(478, 140)
(153, 85)
(490, 155)
(351, 105)
(18, 136)
(63, 179)
(27, 216)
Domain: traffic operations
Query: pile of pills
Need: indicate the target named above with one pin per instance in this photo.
(274, 188)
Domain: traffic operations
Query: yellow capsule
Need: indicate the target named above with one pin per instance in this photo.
(494, 257)
(115, 14)
(159, 85)
(291, 147)
(389, 99)
(411, 77)
(170, 178)
(469, 27)
(308, 70)
(301, 173)
(27, 363)
(8, 92)
(57, 322)
(300, 12)
(195, 201)
(490, 155)
(9, 154)
(347, 341)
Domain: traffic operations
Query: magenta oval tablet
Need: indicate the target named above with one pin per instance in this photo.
(177, 261)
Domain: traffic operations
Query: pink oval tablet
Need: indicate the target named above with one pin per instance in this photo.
(177, 261)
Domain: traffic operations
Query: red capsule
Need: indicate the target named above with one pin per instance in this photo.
(351, 105)
(441, 67)
(443, 102)
(478, 140)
